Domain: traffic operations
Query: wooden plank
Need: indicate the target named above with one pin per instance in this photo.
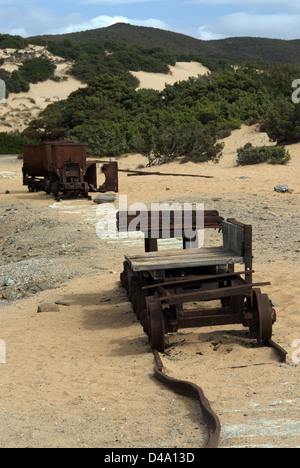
(161, 214)
(176, 262)
(168, 266)
(184, 259)
(190, 258)
(234, 238)
(154, 220)
(174, 253)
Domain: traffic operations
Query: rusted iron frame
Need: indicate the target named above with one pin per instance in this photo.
(76, 174)
(140, 173)
(247, 248)
(195, 279)
(110, 171)
(193, 391)
(207, 295)
(64, 155)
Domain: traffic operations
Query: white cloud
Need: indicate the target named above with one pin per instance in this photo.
(282, 4)
(104, 21)
(283, 25)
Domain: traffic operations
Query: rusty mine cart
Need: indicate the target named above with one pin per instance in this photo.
(62, 167)
(191, 287)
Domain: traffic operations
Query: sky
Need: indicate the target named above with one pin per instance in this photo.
(203, 19)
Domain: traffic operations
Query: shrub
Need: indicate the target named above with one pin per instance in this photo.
(13, 143)
(103, 138)
(12, 42)
(263, 154)
(37, 69)
(194, 142)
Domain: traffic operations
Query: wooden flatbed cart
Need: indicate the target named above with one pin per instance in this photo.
(187, 288)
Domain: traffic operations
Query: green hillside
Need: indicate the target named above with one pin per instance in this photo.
(239, 49)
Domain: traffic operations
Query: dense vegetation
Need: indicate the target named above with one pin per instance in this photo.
(92, 58)
(184, 120)
(12, 42)
(14, 82)
(261, 154)
(37, 69)
(236, 50)
(31, 71)
(13, 144)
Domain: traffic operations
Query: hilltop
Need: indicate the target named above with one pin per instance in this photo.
(236, 49)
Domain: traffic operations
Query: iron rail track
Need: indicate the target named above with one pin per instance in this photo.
(193, 391)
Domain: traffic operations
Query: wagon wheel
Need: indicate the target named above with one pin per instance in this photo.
(86, 190)
(263, 317)
(156, 325)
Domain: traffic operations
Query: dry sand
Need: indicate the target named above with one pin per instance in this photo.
(83, 376)
(21, 108)
(180, 72)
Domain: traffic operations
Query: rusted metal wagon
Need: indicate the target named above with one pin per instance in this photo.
(186, 288)
(110, 171)
(35, 171)
(67, 168)
(62, 167)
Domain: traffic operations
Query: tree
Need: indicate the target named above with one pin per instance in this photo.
(193, 141)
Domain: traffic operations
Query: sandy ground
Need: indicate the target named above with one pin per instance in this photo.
(21, 108)
(83, 376)
(180, 72)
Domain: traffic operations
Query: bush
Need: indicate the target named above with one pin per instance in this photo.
(263, 154)
(37, 69)
(103, 138)
(283, 121)
(12, 42)
(194, 142)
(13, 143)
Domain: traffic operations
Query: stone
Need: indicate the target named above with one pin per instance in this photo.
(10, 294)
(105, 198)
(47, 307)
(8, 282)
(281, 188)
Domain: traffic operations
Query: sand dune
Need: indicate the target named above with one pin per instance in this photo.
(180, 72)
(21, 108)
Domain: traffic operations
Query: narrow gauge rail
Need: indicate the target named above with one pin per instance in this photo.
(160, 284)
